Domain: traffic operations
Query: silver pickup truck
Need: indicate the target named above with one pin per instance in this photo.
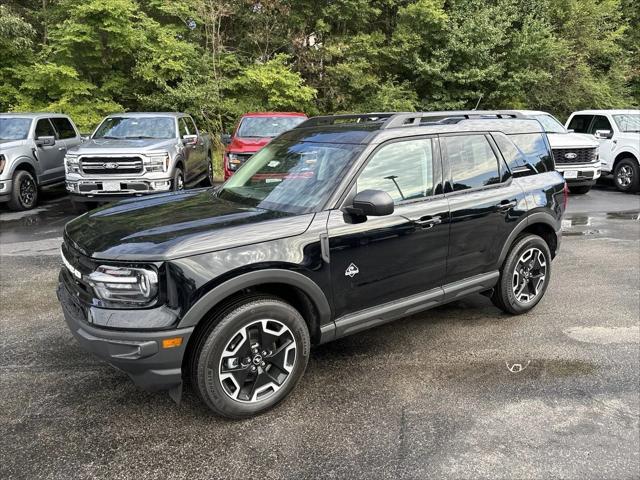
(32, 149)
(135, 154)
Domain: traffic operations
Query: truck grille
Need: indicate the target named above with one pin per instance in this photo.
(574, 155)
(111, 165)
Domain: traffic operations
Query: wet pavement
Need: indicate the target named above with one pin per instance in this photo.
(460, 392)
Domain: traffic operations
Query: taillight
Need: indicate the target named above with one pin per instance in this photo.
(565, 196)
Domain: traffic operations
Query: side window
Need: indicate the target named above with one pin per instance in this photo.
(64, 127)
(183, 127)
(512, 154)
(191, 125)
(534, 146)
(473, 163)
(402, 169)
(580, 123)
(44, 128)
(600, 123)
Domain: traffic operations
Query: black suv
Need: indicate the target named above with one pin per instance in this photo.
(341, 224)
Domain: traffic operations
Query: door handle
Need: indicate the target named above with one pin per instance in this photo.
(428, 221)
(506, 205)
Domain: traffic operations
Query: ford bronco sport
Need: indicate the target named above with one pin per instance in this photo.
(341, 224)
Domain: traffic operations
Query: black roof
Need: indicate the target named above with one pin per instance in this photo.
(380, 126)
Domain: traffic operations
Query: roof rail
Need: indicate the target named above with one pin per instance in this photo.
(453, 116)
(346, 118)
(407, 119)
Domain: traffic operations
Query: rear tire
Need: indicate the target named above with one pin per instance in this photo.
(24, 195)
(524, 276)
(626, 175)
(580, 190)
(250, 357)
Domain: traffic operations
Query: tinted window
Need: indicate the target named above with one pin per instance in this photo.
(64, 127)
(534, 146)
(600, 123)
(473, 163)
(580, 123)
(403, 169)
(290, 176)
(44, 129)
(512, 155)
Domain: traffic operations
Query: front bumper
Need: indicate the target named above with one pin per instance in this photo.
(580, 175)
(6, 186)
(139, 354)
(96, 189)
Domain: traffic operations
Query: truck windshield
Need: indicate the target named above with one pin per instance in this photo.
(629, 122)
(14, 128)
(288, 176)
(262, 127)
(135, 128)
(550, 124)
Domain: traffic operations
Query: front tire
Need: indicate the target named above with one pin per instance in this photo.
(250, 357)
(210, 170)
(178, 180)
(524, 276)
(626, 175)
(580, 190)
(24, 195)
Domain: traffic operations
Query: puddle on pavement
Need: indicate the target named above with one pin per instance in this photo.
(604, 335)
(623, 215)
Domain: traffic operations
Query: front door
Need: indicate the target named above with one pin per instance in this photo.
(50, 158)
(485, 204)
(391, 257)
(600, 122)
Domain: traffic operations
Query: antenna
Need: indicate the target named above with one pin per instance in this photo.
(478, 103)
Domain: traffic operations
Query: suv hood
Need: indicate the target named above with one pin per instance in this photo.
(572, 140)
(174, 225)
(9, 144)
(113, 145)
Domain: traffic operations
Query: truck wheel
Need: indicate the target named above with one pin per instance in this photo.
(178, 180)
(524, 276)
(627, 175)
(250, 357)
(24, 195)
(580, 190)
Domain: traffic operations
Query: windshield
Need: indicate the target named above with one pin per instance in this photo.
(137, 128)
(629, 122)
(295, 177)
(261, 127)
(550, 124)
(14, 128)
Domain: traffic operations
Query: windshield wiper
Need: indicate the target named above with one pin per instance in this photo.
(111, 137)
(138, 137)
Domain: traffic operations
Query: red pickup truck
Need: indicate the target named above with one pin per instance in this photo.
(253, 132)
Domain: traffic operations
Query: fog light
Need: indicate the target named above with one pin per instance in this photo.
(72, 187)
(172, 342)
(161, 185)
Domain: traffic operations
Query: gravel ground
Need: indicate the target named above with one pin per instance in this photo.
(460, 392)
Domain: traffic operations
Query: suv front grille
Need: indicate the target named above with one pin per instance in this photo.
(574, 155)
(111, 165)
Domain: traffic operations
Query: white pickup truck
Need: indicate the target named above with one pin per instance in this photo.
(575, 154)
(618, 132)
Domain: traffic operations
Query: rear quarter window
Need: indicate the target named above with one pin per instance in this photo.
(536, 149)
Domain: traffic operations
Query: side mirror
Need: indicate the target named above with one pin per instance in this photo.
(225, 138)
(190, 139)
(603, 134)
(45, 141)
(375, 203)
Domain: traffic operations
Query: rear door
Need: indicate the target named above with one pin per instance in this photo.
(484, 201)
(391, 257)
(50, 158)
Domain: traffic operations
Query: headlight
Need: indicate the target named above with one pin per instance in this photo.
(124, 285)
(156, 162)
(234, 161)
(71, 164)
(2, 162)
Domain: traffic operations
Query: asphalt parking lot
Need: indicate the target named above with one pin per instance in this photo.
(460, 392)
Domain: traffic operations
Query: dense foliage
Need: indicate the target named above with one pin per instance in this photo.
(219, 58)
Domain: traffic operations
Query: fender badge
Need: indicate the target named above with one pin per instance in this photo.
(351, 271)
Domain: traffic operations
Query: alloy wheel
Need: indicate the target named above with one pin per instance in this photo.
(257, 361)
(27, 191)
(624, 176)
(529, 275)
(180, 183)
